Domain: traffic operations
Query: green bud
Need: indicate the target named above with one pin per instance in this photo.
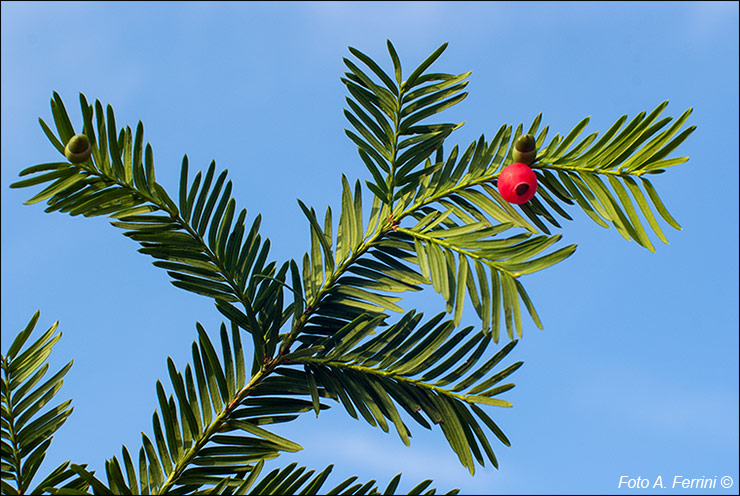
(78, 149)
(525, 149)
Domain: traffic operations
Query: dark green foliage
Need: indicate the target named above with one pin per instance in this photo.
(27, 429)
(323, 332)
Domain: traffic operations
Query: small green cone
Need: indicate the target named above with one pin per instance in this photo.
(525, 150)
(78, 149)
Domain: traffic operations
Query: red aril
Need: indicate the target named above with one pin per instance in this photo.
(517, 183)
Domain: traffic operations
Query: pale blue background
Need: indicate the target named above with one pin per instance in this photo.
(636, 372)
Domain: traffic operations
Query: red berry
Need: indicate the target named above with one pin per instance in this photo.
(517, 183)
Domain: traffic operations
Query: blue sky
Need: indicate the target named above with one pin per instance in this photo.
(636, 372)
